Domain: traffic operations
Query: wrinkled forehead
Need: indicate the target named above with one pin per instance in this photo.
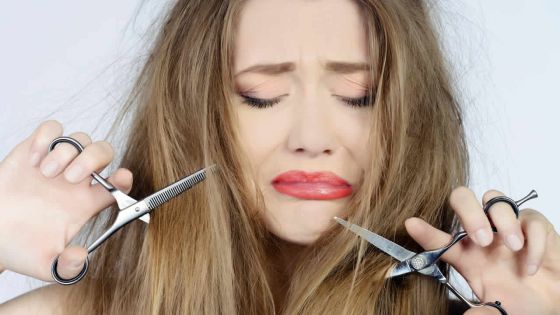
(306, 32)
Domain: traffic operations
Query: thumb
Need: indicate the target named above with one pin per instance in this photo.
(431, 238)
(486, 310)
(71, 261)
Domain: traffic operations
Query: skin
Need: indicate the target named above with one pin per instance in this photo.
(308, 129)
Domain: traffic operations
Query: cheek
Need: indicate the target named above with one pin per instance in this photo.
(260, 132)
(353, 129)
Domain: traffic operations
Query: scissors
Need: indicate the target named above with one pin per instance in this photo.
(426, 262)
(129, 208)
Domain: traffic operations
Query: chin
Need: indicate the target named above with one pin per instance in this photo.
(299, 234)
(303, 223)
(305, 240)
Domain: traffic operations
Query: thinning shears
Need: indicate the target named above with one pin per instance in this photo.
(426, 262)
(129, 208)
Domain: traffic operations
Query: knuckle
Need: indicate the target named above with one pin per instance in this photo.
(124, 173)
(531, 217)
(460, 194)
(45, 130)
(504, 220)
(82, 137)
(97, 154)
(529, 213)
(65, 152)
(87, 161)
(105, 149)
(107, 146)
(51, 123)
(502, 210)
(538, 225)
(491, 194)
(49, 126)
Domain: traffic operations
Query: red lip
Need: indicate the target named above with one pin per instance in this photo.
(312, 185)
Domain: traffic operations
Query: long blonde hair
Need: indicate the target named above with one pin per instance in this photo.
(205, 252)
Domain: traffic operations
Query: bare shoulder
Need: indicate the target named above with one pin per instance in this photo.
(44, 300)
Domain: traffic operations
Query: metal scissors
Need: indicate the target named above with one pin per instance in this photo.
(426, 262)
(129, 208)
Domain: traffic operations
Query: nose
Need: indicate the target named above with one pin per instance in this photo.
(311, 132)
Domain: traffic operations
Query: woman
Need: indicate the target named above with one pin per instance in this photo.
(351, 95)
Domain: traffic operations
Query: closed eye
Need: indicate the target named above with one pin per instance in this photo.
(264, 103)
(359, 101)
(260, 102)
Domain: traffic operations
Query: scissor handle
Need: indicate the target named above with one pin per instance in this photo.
(70, 281)
(514, 204)
(427, 258)
(80, 148)
(101, 181)
(497, 305)
(130, 209)
(436, 254)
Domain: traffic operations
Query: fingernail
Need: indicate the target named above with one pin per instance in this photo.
(513, 242)
(49, 169)
(531, 269)
(35, 157)
(484, 237)
(74, 173)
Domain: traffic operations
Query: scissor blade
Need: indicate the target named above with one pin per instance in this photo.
(123, 200)
(145, 218)
(400, 269)
(394, 250)
(164, 195)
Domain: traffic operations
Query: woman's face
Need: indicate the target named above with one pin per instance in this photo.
(307, 145)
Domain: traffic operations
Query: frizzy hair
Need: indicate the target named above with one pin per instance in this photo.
(205, 252)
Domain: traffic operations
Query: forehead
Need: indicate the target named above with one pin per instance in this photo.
(302, 31)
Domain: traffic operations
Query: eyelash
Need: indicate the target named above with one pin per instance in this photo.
(264, 103)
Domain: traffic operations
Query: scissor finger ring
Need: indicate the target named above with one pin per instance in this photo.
(61, 280)
(514, 204)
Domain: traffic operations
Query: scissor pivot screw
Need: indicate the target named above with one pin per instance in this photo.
(418, 262)
(137, 209)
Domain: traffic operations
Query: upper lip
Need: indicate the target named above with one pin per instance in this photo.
(298, 176)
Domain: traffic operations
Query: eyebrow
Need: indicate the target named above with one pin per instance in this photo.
(331, 66)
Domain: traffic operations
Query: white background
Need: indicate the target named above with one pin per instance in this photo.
(73, 61)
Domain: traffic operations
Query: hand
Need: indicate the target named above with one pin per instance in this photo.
(519, 266)
(42, 209)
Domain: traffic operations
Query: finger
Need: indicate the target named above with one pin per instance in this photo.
(474, 221)
(430, 238)
(94, 157)
(71, 262)
(57, 160)
(535, 228)
(41, 138)
(486, 310)
(101, 198)
(505, 221)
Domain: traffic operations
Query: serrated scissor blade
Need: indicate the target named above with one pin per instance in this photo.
(164, 195)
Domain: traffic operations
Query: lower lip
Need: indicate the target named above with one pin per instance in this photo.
(315, 191)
